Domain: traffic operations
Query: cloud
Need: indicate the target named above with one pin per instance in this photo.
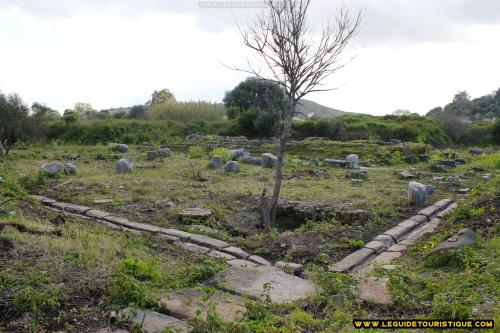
(400, 21)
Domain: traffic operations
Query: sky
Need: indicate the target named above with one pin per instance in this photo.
(409, 54)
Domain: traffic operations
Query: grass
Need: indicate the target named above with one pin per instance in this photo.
(76, 270)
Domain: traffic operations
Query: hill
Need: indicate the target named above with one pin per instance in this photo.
(309, 108)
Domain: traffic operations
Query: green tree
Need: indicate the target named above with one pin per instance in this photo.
(161, 97)
(71, 116)
(42, 111)
(138, 112)
(13, 118)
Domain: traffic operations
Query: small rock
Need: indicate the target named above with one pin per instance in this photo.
(487, 177)
(2, 180)
(314, 162)
(124, 165)
(448, 163)
(438, 168)
(102, 201)
(151, 155)
(269, 160)
(289, 267)
(239, 153)
(424, 158)
(352, 161)
(195, 213)
(460, 160)
(70, 168)
(394, 142)
(232, 166)
(405, 174)
(216, 162)
(477, 151)
(122, 148)
(164, 152)
(356, 174)
(463, 190)
(438, 178)
(411, 159)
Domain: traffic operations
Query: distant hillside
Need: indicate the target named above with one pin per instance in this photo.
(309, 108)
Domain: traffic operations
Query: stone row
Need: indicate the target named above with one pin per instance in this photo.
(386, 240)
(195, 243)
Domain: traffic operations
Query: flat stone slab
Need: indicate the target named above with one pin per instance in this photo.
(241, 263)
(193, 247)
(176, 233)
(116, 220)
(447, 211)
(398, 248)
(208, 241)
(102, 201)
(397, 233)
(387, 240)
(70, 208)
(409, 224)
(289, 267)
(386, 258)
(352, 260)
(259, 260)
(97, 214)
(152, 322)
(142, 227)
(375, 290)
(185, 303)
(429, 211)
(220, 255)
(443, 203)
(419, 219)
(464, 237)
(236, 251)
(376, 246)
(195, 213)
(284, 288)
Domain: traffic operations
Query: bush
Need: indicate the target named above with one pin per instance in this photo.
(224, 153)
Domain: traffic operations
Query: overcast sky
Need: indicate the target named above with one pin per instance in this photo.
(409, 54)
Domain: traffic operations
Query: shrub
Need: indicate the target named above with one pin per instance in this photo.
(196, 152)
(222, 152)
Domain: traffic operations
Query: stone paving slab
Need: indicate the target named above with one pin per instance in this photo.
(236, 251)
(220, 255)
(443, 203)
(208, 241)
(185, 303)
(397, 233)
(116, 220)
(375, 290)
(168, 238)
(387, 240)
(429, 211)
(259, 260)
(143, 227)
(37, 197)
(70, 208)
(386, 257)
(289, 267)
(420, 219)
(398, 248)
(376, 246)
(97, 214)
(176, 233)
(447, 211)
(193, 247)
(241, 263)
(409, 224)
(354, 259)
(284, 288)
(152, 322)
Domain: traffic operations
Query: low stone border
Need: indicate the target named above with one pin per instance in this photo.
(195, 243)
(390, 238)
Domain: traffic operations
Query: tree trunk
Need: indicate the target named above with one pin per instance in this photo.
(285, 135)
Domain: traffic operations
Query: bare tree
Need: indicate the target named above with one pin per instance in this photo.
(297, 62)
